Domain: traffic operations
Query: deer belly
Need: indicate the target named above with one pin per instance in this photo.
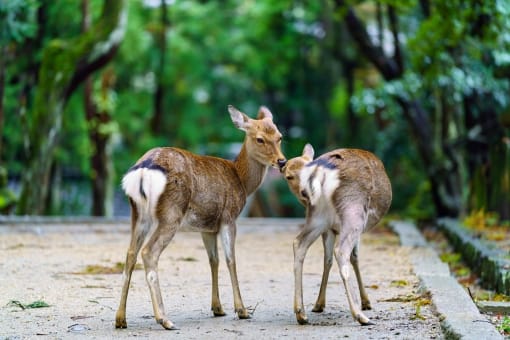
(201, 220)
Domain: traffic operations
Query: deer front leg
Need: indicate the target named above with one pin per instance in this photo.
(365, 302)
(150, 255)
(301, 244)
(228, 237)
(352, 226)
(328, 243)
(211, 245)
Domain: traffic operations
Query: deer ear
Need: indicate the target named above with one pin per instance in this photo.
(240, 120)
(308, 151)
(264, 113)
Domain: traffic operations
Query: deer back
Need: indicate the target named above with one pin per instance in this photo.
(362, 178)
(206, 190)
(341, 179)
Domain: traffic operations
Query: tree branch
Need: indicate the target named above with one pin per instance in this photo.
(101, 50)
(396, 41)
(375, 54)
(64, 65)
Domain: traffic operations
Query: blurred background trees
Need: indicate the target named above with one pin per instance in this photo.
(423, 84)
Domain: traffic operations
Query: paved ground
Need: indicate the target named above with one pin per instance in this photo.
(41, 262)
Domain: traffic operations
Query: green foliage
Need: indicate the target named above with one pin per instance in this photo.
(504, 327)
(293, 57)
(17, 20)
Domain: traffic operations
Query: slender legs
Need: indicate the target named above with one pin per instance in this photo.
(348, 238)
(138, 233)
(328, 242)
(150, 255)
(228, 238)
(211, 245)
(301, 244)
(345, 247)
(365, 302)
(164, 232)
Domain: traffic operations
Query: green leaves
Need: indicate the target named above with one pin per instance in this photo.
(17, 20)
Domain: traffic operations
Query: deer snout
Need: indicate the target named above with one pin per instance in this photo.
(281, 163)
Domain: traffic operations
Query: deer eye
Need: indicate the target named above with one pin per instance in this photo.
(289, 178)
(260, 140)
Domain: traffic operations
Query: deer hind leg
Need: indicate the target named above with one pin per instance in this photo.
(228, 238)
(159, 240)
(301, 244)
(328, 242)
(352, 226)
(139, 230)
(365, 302)
(211, 245)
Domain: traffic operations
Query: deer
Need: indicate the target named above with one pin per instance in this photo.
(346, 192)
(170, 189)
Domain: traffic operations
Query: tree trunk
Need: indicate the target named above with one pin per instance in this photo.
(444, 182)
(488, 162)
(99, 136)
(159, 94)
(3, 55)
(65, 64)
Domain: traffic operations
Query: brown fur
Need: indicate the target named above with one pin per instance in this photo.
(201, 193)
(359, 199)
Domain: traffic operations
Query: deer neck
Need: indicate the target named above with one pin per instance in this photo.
(250, 171)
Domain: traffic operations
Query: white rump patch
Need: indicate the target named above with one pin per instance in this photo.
(323, 184)
(131, 184)
(153, 185)
(331, 182)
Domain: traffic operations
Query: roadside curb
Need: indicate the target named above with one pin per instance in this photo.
(460, 318)
(488, 262)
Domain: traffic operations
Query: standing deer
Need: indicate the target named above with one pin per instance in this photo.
(345, 192)
(170, 189)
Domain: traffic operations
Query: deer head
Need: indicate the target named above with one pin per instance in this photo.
(263, 140)
(292, 170)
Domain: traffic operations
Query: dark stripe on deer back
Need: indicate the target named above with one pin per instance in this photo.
(322, 163)
(148, 164)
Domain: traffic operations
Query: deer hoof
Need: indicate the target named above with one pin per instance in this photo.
(301, 318)
(167, 324)
(218, 311)
(365, 305)
(243, 313)
(318, 308)
(363, 320)
(120, 321)
(120, 324)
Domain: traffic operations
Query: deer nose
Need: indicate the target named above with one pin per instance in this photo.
(282, 162)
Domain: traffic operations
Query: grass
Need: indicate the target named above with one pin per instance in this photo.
(419, 301)
(488, 225)
(96, 269)
(504, 326)
(399, 283)
(483, 226)
(35, 304)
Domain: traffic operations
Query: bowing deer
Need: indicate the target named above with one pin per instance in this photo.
(170, 189)
(345, 192)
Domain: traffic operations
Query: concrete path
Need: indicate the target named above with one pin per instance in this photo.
(460, 318)
(48, 262)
